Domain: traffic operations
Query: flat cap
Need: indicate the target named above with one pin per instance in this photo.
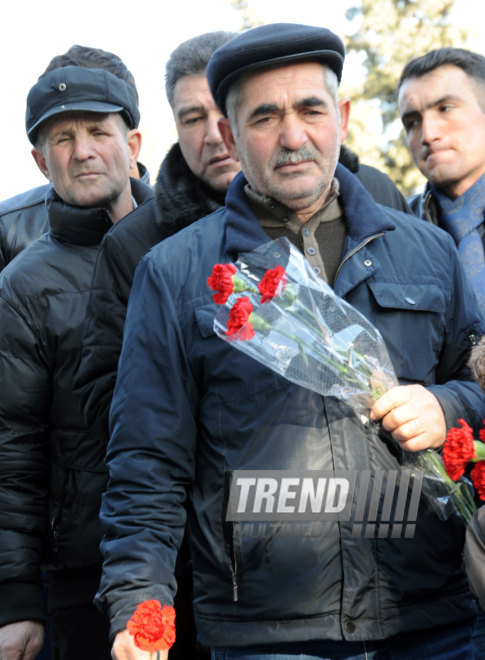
(78, 88)
(269, 45)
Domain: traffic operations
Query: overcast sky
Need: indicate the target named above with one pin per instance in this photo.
(143, 33)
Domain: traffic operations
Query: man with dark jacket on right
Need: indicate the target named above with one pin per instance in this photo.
(190, 412)
(442, 106)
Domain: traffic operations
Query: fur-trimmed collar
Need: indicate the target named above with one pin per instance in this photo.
(181, 198)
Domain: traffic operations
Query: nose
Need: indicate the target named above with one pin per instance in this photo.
(212, 132)
(293, 134)
(83, 147)
(429, 129)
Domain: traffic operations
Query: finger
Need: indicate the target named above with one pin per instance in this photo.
(398, 418)
(408, 430)
(388, 402)
(416, 443)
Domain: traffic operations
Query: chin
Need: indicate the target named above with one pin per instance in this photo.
(221, 184)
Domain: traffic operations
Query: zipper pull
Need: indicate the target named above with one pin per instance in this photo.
(234, 588)
(473, 339)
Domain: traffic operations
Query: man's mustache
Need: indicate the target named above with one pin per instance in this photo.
(288, 157)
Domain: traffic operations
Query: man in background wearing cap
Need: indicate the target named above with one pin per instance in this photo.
(23, 218)
(83, 122)
(189, 409)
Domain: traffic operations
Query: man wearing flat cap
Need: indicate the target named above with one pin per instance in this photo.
(23, 217)
(200, 427)
(82, 120)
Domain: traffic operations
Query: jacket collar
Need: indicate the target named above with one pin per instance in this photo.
(181, 197)
(85, 226)
(363, 216)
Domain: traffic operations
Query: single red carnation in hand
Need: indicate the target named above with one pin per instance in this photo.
(153, 626)
(478, 477)
(239, 320)
(458, 450)
(272, 284)
(221, 281)
(481, 432)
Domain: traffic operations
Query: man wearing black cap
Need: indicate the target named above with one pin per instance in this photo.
(83, 123)
(23, 218)
(192, 416)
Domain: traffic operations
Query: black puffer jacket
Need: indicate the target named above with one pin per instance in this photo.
(23, 218)
(51, 464)
(180, 199)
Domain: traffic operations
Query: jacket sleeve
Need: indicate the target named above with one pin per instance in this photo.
(458, 394)
(151, 453)
(475, 555)
(106, 312)
(24, 406)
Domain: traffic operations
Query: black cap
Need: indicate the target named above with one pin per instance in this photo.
(78, 88)
(271, 45)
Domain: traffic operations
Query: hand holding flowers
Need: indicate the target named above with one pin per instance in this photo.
(292, 322)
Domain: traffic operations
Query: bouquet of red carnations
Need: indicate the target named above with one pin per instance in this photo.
(275, 309)
(278, 311)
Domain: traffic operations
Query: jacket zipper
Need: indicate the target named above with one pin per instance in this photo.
(55, 531)
(356, 249)
(234, 587)
(233, 563)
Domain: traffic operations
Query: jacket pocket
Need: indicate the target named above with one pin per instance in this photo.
(412, 323)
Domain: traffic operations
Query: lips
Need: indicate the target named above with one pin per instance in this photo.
(85, 174)
(219, 159)
(292, 166)
(435, 153)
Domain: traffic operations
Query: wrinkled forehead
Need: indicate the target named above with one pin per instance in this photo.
(78, 118)
(296, 79)
(192, 91)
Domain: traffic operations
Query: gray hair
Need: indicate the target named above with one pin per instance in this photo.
(190, 58)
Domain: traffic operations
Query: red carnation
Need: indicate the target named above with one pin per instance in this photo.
(222, 282)
(272, 283)
(458, 450)
(477, 475)
(152, 626)
(481, 432)
(239, 320)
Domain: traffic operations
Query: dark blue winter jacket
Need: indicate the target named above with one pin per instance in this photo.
(189, 409)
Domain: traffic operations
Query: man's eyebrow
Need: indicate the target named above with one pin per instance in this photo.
(312, 102)
(268, 108)
(183, 112)
(263, 109)
(412, 114)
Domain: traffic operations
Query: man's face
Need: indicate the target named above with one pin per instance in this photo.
(196, 116)
(87, 157)
(444, 119)
(288, 135)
